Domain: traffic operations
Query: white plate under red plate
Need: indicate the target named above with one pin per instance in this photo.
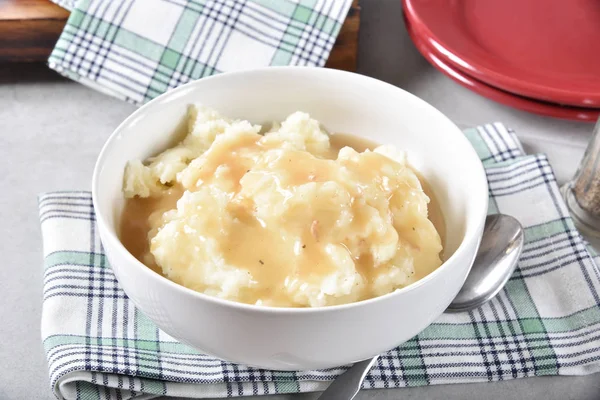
(543, 49)
(523, 103)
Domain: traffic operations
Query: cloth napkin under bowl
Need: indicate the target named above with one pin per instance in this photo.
(138, 49)
(545, 322)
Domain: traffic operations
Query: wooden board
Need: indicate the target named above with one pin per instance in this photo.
(30, 28)
(345, 50)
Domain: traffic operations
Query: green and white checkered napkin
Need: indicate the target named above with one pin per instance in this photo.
(138, 49)
(545, 322)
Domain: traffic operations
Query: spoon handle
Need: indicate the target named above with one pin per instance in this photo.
(347, 385)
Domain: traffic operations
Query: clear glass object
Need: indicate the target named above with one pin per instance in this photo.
(582, 193)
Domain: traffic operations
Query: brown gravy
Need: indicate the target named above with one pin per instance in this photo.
(135, 227)
(339, 140)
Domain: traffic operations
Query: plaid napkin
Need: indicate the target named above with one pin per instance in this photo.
(545, 322)
(138, 49)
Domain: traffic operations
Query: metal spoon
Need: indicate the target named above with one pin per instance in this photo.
(496, 259)
(499, 251)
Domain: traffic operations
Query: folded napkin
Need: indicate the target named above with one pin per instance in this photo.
(545, 322)
(138, 49)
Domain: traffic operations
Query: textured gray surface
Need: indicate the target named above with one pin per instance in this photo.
(52, 131)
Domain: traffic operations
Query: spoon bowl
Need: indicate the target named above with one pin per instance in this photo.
(495, 262)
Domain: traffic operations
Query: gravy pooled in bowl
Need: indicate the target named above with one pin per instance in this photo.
(293, 217)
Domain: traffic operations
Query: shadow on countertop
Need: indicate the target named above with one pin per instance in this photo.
(391, 55)
(27, 72)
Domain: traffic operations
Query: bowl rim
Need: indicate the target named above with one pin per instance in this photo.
(115, 243)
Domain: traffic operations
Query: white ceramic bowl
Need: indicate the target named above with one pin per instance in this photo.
(300, 339)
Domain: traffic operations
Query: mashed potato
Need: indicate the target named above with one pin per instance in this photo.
(282, 219)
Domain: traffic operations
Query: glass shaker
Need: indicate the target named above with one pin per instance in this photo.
(582, 193)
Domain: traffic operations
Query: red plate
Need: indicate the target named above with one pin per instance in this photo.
(501, 96)
(543, 49)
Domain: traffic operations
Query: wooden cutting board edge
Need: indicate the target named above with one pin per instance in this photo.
(29, 30)
(345, 50)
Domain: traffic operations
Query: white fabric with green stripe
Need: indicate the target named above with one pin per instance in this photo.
(545, 322)
(138, 49)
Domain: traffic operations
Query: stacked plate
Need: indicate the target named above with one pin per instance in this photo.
(541, 56)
